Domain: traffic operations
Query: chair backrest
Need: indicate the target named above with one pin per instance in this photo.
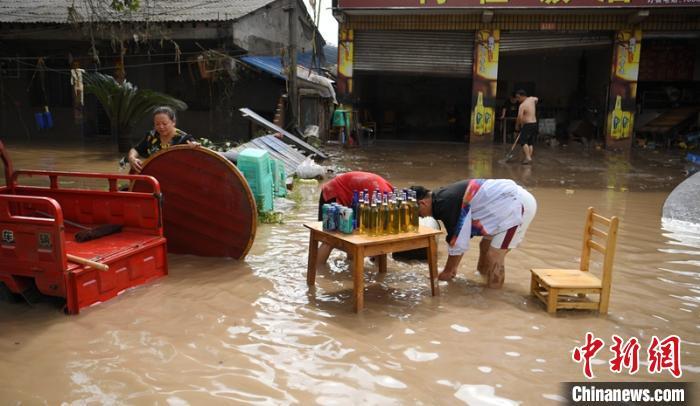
(600, 234)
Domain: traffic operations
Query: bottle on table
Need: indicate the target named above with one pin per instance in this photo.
(385, 215)
(405, 212)
(355, 207)
(373, 217)
(415, 216)
(361, 214)
(394, 220)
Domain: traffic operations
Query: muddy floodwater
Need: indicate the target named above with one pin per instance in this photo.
(220, 331)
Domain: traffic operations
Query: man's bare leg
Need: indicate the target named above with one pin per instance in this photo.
(482, 266)
(324, 251)
(527, 151)
(497, 269)
(451, 266)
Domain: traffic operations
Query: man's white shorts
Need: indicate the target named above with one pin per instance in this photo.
(512, 237)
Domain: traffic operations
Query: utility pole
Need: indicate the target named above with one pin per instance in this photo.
(292, 93)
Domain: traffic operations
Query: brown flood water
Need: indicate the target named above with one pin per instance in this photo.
(218, 331)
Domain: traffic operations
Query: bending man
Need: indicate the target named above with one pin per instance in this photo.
(497, 209)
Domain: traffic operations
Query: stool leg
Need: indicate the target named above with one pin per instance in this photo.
(358, 273)
(311, 267)
(533, 285)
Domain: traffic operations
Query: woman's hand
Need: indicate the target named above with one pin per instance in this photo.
(136, 164)
(194, 143)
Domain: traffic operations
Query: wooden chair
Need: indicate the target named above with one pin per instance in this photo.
(389, 124)
(569, 288)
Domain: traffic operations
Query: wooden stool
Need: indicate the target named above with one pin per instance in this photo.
(568, 288)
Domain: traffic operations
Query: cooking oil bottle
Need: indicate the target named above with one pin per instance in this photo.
(393, 215)
(373, 217)
(405, 212)
(385, 215)
(414, 212)
(361, 223)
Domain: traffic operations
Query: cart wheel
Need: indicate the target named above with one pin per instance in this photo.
(6, 294)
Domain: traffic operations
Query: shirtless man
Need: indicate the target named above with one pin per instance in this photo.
(526, 123)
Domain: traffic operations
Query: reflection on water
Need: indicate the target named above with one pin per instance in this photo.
(218, 330)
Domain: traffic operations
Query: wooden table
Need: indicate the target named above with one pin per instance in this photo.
(361, 246)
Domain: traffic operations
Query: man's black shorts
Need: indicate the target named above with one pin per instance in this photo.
(528, 134)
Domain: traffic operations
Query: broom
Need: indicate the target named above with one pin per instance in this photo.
(87, 233)
(509, 155)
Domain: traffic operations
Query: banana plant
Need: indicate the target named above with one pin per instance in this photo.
(126, 104)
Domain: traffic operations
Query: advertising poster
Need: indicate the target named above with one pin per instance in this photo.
(623, 87)
(345, 57)
(485, 75)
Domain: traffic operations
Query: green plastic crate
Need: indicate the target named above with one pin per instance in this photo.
(280, 178)
(256, 166)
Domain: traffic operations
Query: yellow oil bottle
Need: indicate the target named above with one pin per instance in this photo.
(374, 218)
(395, 225)
(405, 211)
(479, 114)
(616, 119)
(361, 225)
(414, 213)
(385, 214)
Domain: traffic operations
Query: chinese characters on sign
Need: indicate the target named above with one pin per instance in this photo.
(662, 355)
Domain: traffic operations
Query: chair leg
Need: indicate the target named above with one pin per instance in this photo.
(604, 301)
(552, 300)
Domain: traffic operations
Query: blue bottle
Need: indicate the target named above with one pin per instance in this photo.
(355, 207)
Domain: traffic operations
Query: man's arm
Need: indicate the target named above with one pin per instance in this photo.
(519, 120)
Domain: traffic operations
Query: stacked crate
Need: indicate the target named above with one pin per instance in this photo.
(280, 178)
(256, 165)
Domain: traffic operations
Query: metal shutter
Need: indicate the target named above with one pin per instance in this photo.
(417, 52)
(514, 41)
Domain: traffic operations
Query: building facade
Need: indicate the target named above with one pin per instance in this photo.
(441, 69)
(187, 49)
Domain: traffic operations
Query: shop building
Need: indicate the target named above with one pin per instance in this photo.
(440, 70)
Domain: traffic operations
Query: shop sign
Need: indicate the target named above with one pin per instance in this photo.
(345, 62)
(623, 85)
(484, 83)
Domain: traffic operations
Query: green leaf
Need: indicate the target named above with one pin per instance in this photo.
(126, 104)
